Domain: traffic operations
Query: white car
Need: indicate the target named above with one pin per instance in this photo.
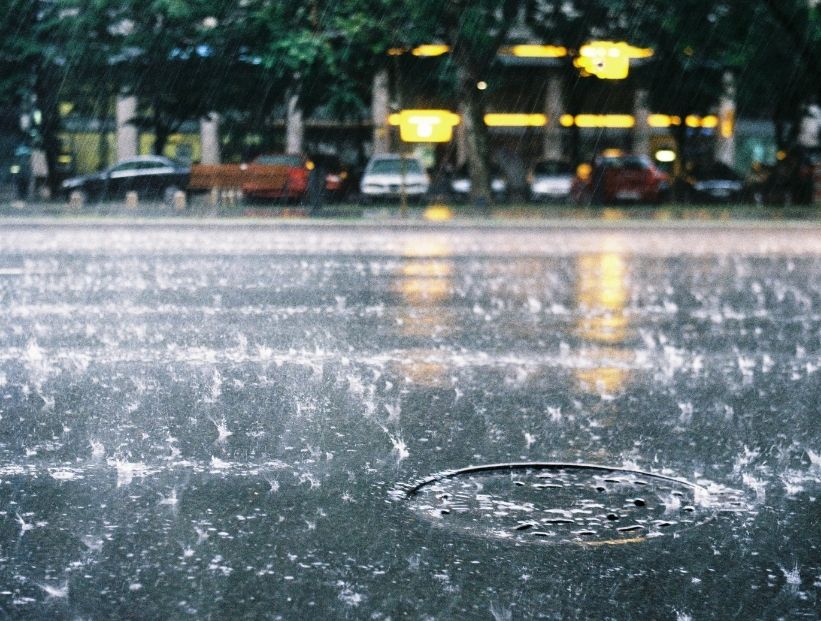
(460, 185)
(385, 175)
(550, 180)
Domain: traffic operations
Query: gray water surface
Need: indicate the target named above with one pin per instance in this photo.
(222, 421)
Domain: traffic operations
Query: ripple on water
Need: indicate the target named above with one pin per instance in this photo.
(560, 503)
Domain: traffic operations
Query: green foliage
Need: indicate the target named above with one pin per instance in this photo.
(243, 58)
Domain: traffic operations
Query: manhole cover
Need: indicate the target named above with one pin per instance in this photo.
(560, 502)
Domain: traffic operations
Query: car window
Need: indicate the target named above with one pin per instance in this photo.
(715, 170)
(634, 163)
(394, 166)
(552, 168)
(279, 160)
(126, 166)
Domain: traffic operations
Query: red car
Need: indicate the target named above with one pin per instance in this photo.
(278, 176)
(616, 177)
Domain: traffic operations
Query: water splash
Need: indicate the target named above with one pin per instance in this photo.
(55, 592)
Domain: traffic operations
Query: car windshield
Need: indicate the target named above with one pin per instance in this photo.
(553, 168)
(714, 170)
(626, 162)
(395, 166)
(279, 160)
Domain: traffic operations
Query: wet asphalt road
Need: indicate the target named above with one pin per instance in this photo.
(222, 420)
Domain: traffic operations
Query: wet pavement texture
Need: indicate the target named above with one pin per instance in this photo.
(241, 420)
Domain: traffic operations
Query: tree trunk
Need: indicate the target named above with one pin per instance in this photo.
(476, 136)
(161, 133)
(49, 128)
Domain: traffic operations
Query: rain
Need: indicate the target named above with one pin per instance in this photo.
(386, 309)
(193, 424)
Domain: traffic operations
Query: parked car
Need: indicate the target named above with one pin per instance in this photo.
(550, 180)
(710, 182)
(790, 181)
(289, 179)
(337, 177)
(150, 176)
(460, 184)
(617, 177)
(386, 175)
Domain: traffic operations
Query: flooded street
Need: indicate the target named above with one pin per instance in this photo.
(224, 420)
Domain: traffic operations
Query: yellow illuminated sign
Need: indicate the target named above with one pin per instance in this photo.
(608, 60)
(425, 125)
(515, 120)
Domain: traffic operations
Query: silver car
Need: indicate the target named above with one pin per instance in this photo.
(550, 180)
(387, 176)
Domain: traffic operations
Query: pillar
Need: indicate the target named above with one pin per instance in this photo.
(725, 142)
(127, 135)
(641, 130)
(209, 139)
(294, 126)
(380, 98)
(553, 108)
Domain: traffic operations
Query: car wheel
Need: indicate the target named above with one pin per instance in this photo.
(79, 195)
(168, 195)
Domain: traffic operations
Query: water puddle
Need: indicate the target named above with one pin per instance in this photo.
(565, 503)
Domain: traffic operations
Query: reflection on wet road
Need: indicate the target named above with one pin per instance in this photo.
(212, 420)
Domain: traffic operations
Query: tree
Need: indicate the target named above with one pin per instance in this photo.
(181, 58)
(474, 31)
(33, 69)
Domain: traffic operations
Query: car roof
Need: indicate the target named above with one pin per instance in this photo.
(146, 158)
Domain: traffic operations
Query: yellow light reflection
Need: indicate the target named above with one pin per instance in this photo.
(515, 120)
(609, 370)
(602, 296)
(438, 213)
(424, 282)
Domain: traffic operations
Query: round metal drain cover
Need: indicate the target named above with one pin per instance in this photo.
(560, 502)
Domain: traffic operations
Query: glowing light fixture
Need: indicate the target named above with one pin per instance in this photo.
(515, 120)
(481, 85)
(430, 49)
(662, 120)
(666, 155)
(566, 120)
(605, 120)
(535, 51)
(710, 121)
(727, 124)
(425, 125)
(608, 60)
